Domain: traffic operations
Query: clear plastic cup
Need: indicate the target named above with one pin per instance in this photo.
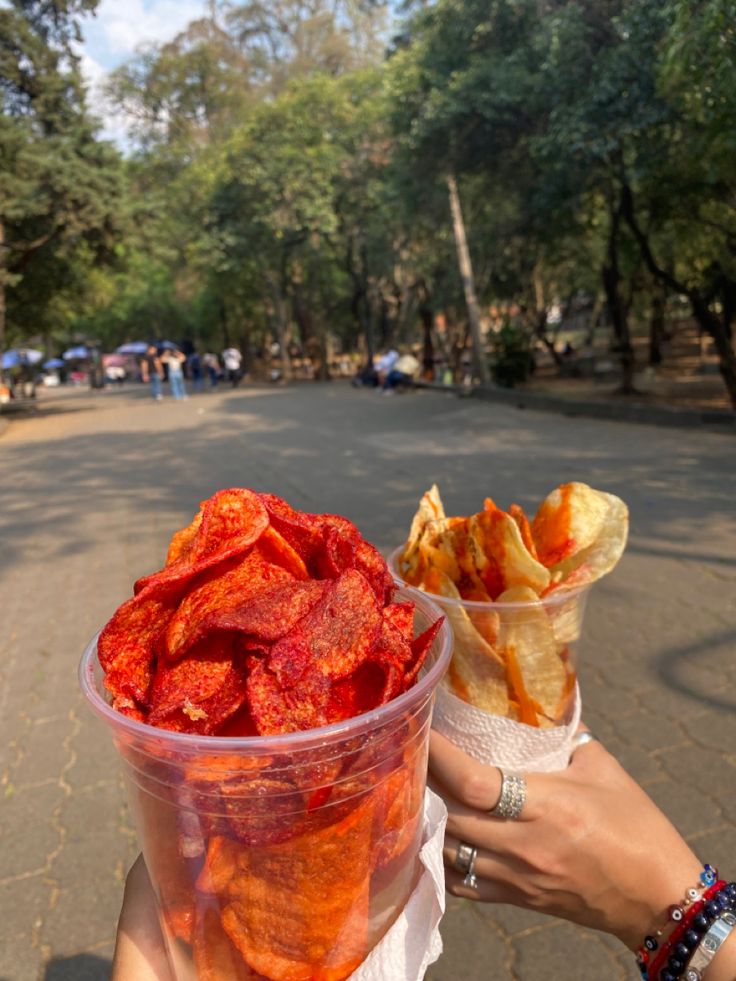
(503, 649)
(280, 857)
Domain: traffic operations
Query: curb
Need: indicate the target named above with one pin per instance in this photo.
(718, 420)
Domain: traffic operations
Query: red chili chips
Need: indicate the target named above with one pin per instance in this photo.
(263, 611)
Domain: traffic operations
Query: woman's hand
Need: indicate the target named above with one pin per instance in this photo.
(140, 954)
(590, 845)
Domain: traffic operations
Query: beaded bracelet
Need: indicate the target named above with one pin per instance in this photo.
(650, 965)
(675, 913)
(673, 960)
(717, 934)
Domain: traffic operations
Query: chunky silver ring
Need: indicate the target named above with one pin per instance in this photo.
(581, 738)
(513, 797)
(464, 862)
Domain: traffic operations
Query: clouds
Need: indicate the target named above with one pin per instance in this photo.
(114, 34)
(120, 26)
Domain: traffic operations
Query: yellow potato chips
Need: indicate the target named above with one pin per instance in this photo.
(514, 592)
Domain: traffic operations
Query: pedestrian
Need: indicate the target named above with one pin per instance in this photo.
(212, 367)
(194, 363)
(152, 371)
(401, 375)
(232, 360)
(174, 360)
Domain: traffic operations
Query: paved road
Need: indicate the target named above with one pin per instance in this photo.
(91, 490)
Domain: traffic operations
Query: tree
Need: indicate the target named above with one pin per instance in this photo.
(58, 184)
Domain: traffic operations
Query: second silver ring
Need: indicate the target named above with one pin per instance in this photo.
(465, 863)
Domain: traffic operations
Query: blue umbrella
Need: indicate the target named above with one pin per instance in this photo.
(53, 363)
(132, 347)
(167, 346)
(77, 353)
(20, 356)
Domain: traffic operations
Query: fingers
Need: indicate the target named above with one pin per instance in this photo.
(468, 781)
(475, 788)
(495, 878)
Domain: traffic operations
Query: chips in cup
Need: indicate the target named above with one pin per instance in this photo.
(267, 621)
(511, 589)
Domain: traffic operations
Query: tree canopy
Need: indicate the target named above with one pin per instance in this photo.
(292, 164)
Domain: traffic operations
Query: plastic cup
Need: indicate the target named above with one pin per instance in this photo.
(283, 856)
(538, 640)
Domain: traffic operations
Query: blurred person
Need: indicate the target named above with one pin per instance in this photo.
(152, 371)
(402, 374)
(194, 364)
(232, 360)
(212, 367)
(174, 361)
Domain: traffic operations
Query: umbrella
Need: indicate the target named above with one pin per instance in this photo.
(76, 353)
(53, 363)
(167, 346)
(132, 347)
(20, 356)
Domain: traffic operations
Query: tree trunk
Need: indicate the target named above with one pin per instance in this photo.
(3, 284)
(657, 325)
(611, 275)
(710, 322)
(539, 317)
(426, 315)
(466, 274)
(224, 325)
(281, 324)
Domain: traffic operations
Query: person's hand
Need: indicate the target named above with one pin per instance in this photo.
(140, 953)
(590, 845)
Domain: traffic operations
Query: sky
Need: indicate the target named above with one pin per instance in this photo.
(114, 33)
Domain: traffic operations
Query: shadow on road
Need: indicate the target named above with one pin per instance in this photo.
(81, 967)
(669, 666)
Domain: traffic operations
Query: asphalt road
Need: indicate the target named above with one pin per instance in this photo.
(93, 486)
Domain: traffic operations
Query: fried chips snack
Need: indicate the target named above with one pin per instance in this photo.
(269, 622)
(514, 591)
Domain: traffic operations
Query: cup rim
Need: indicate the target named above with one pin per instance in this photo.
(89, 669)
(556, 598)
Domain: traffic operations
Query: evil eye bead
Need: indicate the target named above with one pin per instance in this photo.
(650, 943)
(709, 875)
(693, 894)
(642, 957)
(676, 913)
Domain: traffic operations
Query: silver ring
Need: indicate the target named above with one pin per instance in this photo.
(464, 863)
(582, 739)
(513, 796)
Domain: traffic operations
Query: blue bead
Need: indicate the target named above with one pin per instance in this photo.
(691, 939)
(711, 909)
(681, 951)
(700, 922)
(722, 898)
(667, 976)
(675, 965)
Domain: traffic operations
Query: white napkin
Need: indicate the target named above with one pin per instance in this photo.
(414, 942)
(494, 740)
